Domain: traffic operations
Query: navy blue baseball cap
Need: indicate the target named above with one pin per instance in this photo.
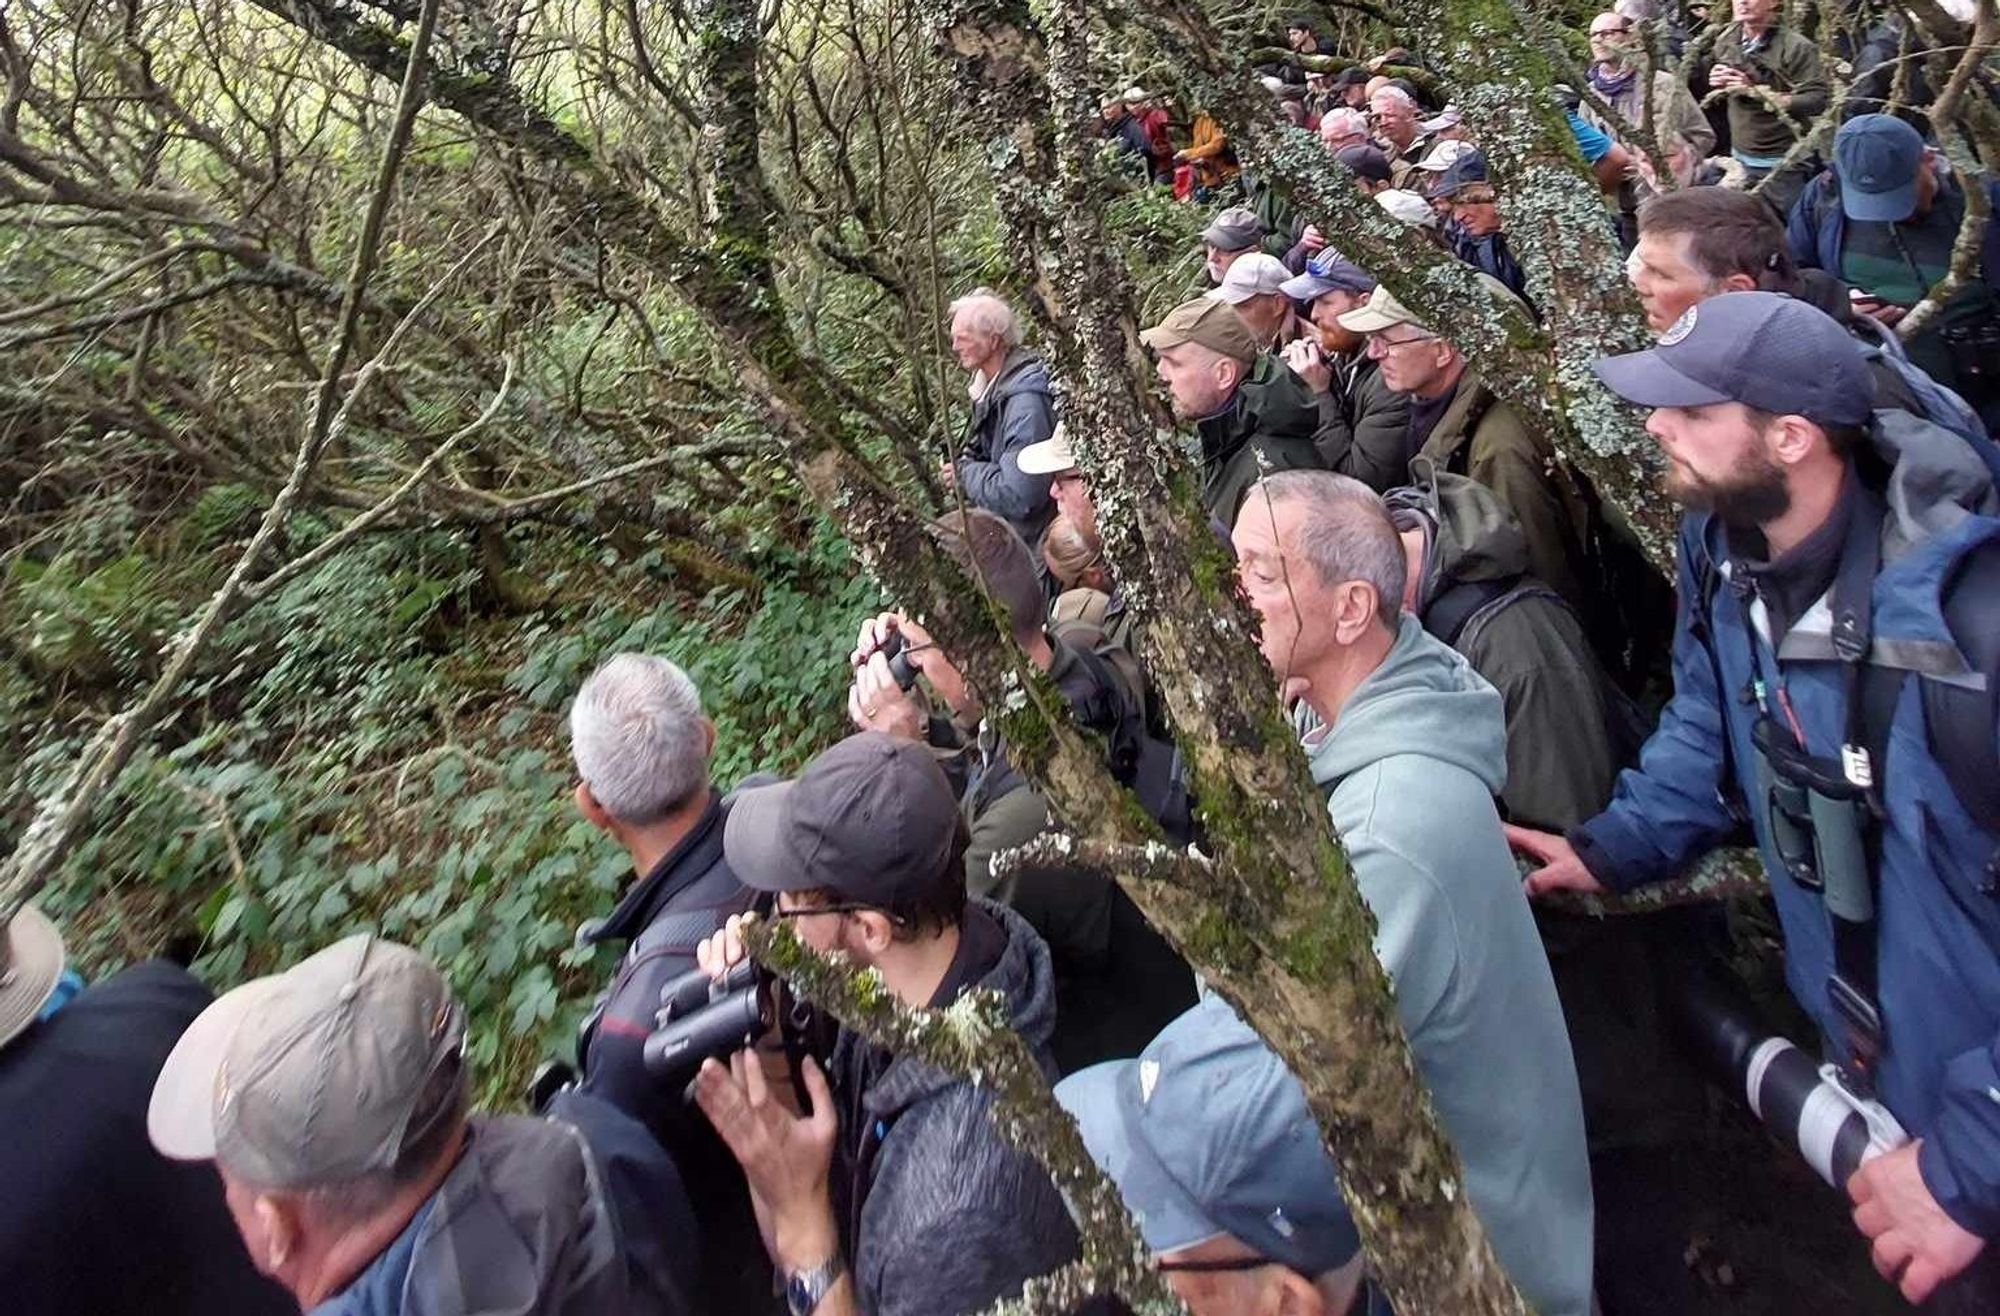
(1328, 271)
(1875, 156)
(1207, 1133)
(1763, 349)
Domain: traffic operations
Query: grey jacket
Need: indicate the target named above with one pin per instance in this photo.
(1012, 413)
(526, 1225)
(954, 1215)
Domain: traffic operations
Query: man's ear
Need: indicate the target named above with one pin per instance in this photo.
(278, 1233)
(873, 931)
(1791, 439)
(593, 812)
(707, 739)
(1737, 282)
(1354, 610)
(1295, 1296)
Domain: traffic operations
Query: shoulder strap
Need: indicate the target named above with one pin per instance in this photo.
(1448, 613)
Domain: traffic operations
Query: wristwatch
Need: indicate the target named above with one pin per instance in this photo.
(805, 1288)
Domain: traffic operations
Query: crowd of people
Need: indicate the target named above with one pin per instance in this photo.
(1431, 583)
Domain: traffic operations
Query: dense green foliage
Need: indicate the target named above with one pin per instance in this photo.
(382, 744)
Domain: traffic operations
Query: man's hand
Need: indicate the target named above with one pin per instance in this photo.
(1916, 1246)
(1313, 239)
(1560, 869)
(947, 475)
(924, 655)
(1307, 362)
(1887, 313)
(716, 953)
(1727, 75)
(785, 1157)
(876, 703)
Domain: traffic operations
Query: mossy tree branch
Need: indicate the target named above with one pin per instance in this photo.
(1274, 921)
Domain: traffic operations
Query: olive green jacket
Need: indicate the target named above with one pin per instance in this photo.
(1789, 64)
(1480, 435)
(1271, 421)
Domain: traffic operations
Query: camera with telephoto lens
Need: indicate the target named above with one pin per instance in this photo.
(702, 1017)
(900, 667)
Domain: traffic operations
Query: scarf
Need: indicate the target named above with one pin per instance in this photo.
(1611, 85)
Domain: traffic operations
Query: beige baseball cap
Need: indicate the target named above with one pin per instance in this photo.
(1213, 324)
(1381, 311)
(31, 963)
(1051, 456)
(313, 1076)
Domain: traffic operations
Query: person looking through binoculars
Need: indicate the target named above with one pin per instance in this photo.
(890, 1190)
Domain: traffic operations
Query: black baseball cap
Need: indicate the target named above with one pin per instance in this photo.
(1765, 350)
(872, 818)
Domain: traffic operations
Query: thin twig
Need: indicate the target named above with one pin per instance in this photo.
(62, 813)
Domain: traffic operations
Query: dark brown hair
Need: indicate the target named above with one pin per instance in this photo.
(1728, 233)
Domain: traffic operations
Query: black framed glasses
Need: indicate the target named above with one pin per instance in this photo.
(841, 907)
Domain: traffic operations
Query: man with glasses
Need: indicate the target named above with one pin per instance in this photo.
(1208, 1139)
(894, 1194)
(1666, 110)
(1462, 426)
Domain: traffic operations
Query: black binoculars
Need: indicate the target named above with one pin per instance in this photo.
(702, 1017)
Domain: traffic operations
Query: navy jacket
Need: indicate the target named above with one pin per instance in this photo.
(1938, 928)
(1817, 227)
(1014, 412)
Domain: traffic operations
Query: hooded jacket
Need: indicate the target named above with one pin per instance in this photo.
(954, 1215)
(525, 1225)
(1410, 766)
(1564, 744)
(1271, 416)
(1480, 435)
(1013, 412)
(1569, 730)
(1938, 921)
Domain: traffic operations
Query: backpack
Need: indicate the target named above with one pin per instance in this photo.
(1938, 404)
(1142, 757)
(1460, 610)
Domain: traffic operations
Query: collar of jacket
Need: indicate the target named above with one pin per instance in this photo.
(1470, 402)
(695, 854)
(1017, 361)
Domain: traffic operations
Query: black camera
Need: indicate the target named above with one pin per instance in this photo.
(702, 1017)
(900, 666)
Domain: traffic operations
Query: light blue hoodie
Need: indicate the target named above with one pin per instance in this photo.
(1412, 764)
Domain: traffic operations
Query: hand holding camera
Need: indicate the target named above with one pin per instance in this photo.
(889, 654)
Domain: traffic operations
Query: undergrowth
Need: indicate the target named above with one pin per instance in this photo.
(383, 746)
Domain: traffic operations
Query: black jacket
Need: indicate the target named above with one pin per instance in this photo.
(662, 917)
(946, 1215)
(92, 1219)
